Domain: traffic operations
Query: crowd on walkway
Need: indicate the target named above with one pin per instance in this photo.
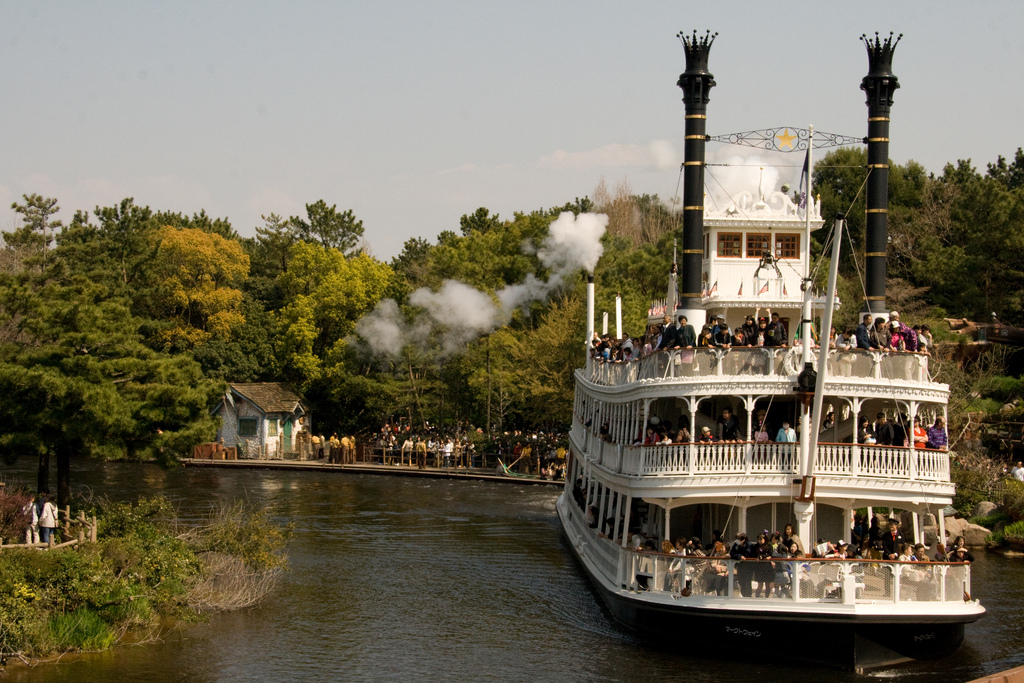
(769, 330)
(465, 446)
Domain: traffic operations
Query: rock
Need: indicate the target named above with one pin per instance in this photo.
(931, 535)
(974, 536)
(928, 520)
(983, 509)
(956, 527)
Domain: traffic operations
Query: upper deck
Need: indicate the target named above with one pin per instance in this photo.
(729, 370)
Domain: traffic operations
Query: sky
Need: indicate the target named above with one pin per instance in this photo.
(412, 114)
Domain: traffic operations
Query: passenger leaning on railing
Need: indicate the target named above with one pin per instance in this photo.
(937, 434)
(705, 340)
(880, 336)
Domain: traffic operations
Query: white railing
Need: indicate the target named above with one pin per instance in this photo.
(758, 362)
(845, 460)
(715, 458)
(801, 580)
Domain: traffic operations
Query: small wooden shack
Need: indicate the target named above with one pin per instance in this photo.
(263, 419)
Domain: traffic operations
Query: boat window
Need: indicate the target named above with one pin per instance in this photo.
(757, 243)
(787, 246)
(730, 244)
(707, 245)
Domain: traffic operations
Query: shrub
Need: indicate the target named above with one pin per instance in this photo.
(243, 533)
(996, 539)
(1013, 499)
(991, 520)
(972, 487)
(1014, 534)
(13, 522)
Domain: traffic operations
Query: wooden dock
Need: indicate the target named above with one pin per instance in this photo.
(471, 474)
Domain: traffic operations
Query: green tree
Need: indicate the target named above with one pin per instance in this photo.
(480, 220)
(325, 226)
(325, 294)
(198, 221)
(78, 381)
(30, 242)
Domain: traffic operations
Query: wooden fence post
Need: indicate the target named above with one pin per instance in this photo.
(92, 530)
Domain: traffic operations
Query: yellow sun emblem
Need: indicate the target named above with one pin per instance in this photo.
(785, 140)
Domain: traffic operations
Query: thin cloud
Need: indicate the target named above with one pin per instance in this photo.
(659, 154)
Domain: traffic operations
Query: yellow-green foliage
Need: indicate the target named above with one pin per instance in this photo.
(200, 273)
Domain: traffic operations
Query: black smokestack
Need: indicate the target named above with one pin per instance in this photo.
(879, 84)
(696, 82)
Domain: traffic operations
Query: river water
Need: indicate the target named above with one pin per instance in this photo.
(395, 578)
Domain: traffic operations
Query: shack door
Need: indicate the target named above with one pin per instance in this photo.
(288, 435)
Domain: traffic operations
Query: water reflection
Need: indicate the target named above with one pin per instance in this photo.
(399, 578)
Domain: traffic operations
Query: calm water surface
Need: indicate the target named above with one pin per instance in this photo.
(395, 578)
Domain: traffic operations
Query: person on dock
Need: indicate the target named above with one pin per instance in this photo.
(421, 453)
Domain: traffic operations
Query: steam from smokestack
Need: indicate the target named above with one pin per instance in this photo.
(456, 313)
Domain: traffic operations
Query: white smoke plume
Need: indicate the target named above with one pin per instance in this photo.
(457, 313)
(744, 171)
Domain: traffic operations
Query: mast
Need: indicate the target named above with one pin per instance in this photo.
(590, 317)
(695, 82)
(805, 316)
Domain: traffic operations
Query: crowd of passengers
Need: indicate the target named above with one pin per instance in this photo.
(883, 432)
(765, 331)
(866, 543)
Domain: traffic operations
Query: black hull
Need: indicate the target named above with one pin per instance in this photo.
(840, 642)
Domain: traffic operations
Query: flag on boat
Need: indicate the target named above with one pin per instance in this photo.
(714, 288)
(784, 292)
(804, 178)
(740, 293)
(704, 290)
(764, 288)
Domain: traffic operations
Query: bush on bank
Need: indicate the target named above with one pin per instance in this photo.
(145, 567)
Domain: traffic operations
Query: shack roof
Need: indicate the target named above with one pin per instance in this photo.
(270, 397)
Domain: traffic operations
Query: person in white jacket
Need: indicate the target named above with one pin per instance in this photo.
(47, 518)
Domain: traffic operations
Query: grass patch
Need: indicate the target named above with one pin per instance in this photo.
(82, 629)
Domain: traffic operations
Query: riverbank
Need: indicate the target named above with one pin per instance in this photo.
(369, 468)
(143, 569)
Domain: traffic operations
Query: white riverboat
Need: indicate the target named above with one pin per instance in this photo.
(851, 614)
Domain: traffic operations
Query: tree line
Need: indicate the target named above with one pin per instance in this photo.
(120, 329)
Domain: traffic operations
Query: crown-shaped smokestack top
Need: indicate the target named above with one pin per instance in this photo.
(697, 50)
(880, 54)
